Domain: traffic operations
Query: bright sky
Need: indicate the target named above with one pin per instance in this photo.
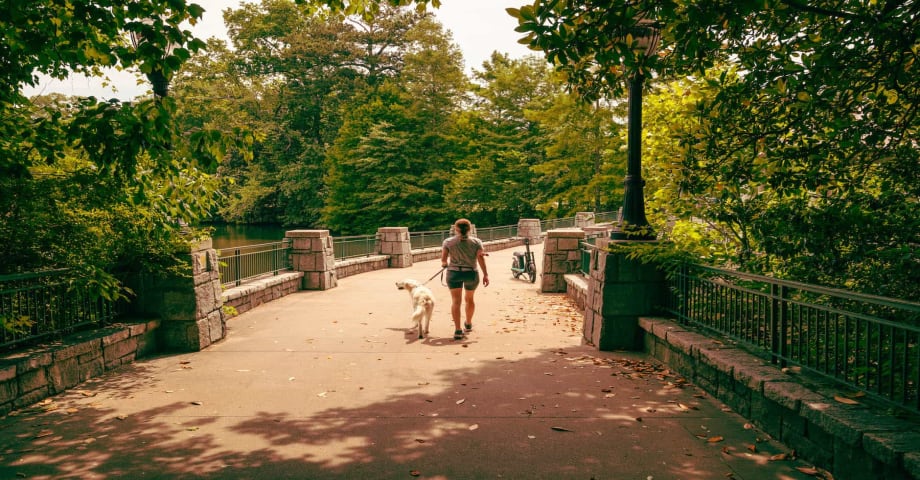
(479, 27)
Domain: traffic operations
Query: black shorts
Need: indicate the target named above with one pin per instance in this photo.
(468, 279)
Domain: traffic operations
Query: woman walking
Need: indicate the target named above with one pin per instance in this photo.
(460, 255)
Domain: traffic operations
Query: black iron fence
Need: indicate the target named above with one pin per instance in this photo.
(239, 264)
(40, 306)
(865, 343)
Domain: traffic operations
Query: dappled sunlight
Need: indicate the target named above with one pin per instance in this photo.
(348, 396)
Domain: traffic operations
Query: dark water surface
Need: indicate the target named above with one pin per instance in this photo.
(227, 236)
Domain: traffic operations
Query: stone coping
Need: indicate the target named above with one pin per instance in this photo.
(256, 285)
(868, 427)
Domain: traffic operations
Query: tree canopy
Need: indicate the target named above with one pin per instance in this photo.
(780, 137)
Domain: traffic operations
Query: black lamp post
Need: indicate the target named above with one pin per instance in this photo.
(633, 225)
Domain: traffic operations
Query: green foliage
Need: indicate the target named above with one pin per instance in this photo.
(100, 187)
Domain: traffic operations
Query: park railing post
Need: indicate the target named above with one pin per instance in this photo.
(394, 242)
(561, 256)
(312, 253)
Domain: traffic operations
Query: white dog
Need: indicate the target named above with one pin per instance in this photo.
(422, 304)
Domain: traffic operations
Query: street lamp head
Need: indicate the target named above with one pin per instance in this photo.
(647, 34)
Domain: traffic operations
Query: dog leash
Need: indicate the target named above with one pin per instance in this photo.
(435, 275)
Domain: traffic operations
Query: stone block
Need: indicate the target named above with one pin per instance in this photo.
(26, 399)
(117, 336)
(9, 390)
(912, 464)
(789, 394)
(114, 352)
(890, 447)
(7, 371)
(31, 380)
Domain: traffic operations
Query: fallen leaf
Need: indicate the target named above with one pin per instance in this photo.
(726, 451)
(715, 439)
(121, 417)
(420, 440)
(778, 457)
(414, 473)
(531, 437)
(809, 470)
(845, 400)
(192, 429)
(322, 394)
(473, 426)
(560, 429)
(748, 426)
(752, 448)
(196, 403)
(43, 433)
(458, 402)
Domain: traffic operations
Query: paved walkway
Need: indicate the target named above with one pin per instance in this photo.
(333, 385)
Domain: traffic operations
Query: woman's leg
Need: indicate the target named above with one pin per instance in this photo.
(455, 299)
(470, 307)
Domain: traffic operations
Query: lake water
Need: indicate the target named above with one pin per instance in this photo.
(228, 236)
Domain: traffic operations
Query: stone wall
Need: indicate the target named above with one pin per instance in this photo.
(394, 242)
(561, 256)
(354, 266)
(855, 442)
(577, 289)
(188, 304)
(36, 373)
(312, 254)
(256, 292)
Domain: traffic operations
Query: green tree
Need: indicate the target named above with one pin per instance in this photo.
(84, 181)
(395, 150)
(821, 117)
(494, 183)
(584, 166)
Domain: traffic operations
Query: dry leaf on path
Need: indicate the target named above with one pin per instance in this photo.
(560, 429)
(473, 426)
(715, 439)
(458, 402)
(845, 400)
(809, 470)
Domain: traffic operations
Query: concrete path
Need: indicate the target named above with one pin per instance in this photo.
(334, 385)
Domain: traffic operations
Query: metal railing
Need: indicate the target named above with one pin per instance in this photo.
(490, 234)
(429, 239)
(239, 264)
(355, 246)
(38, 306)
(867, 343)
(567, 222)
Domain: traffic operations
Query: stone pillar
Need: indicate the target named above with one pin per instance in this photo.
(530, 228)
(394, 241)
(189, 306)
(584, 219)
(620, 291)
(597, 231)
(561, 256)
(312, 254)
